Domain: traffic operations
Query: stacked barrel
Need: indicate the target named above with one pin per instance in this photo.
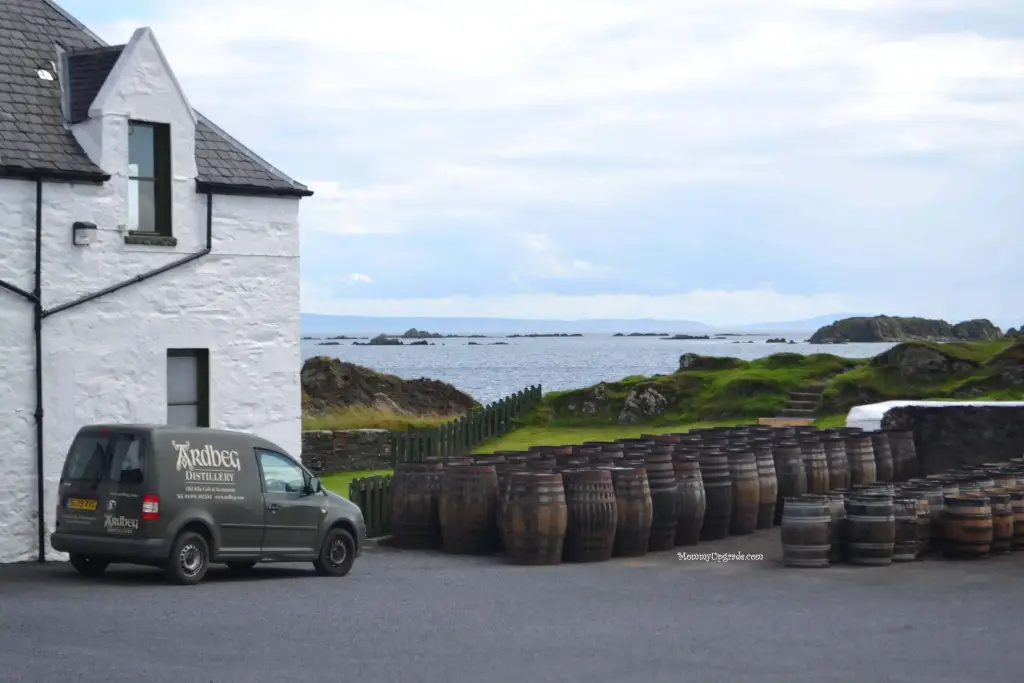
(875, 510)
(840, 495)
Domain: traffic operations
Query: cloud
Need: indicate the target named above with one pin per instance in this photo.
(361, 278)
(561, 152)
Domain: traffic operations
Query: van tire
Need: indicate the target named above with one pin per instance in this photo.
(337, 553)
(189, 560)
(87, 565)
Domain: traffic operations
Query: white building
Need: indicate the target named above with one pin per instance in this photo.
(107, 174)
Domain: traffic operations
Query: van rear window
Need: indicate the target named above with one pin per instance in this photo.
(114, 457)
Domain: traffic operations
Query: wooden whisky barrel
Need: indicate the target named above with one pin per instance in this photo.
(870, 529)
(661, 479)
(790, 473)
(1017, 505)
(468, 510)
(924, 521)
(905, 512)
(884, 468)
(967, 526)
(541, 463)
(836, 527)
(835, 457)
(415, 503)
(904, 454)
(815, 465)
(504, 470)
(746, 491)
(933, 492)
(714, 470)
(592, 516)
(1002, 521)
(535, 517)
(768, 480)
(691, 503)
(861, 456)
(635, 511)
(805, 531)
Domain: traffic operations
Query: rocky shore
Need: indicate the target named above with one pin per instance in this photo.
(329, 384)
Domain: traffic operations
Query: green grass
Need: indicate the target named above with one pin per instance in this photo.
(373, 417)
(524, 437)
(830, 421)
(553, 435)
(720, 389)
(970, 371)
(338, 483)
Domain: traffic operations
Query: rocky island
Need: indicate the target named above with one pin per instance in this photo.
(641, 334)
(883, 328)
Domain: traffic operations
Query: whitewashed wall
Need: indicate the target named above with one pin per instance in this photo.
(105, 361)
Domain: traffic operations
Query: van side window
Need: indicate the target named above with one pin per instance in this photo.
(281, 474)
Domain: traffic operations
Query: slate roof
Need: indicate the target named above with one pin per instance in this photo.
(33, 135)
(86, 74)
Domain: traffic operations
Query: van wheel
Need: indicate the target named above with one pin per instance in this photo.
(337, 554)
(87, 565)
(189, 560)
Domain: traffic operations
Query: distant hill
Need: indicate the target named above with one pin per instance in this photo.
(315, 323)
(808, 324)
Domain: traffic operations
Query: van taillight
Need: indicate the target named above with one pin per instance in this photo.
(150, 508)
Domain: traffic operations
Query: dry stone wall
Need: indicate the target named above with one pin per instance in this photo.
(347, 450)
(960, 435)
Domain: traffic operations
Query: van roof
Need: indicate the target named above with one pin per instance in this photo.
(200, 432)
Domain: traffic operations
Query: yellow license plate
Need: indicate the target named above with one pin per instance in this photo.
(81, 504)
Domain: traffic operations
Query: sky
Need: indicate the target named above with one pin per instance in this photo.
(724, 161)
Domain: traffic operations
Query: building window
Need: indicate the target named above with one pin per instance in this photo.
(188, 387)
(149, 178)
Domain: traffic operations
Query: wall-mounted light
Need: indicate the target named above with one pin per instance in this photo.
(83, 233)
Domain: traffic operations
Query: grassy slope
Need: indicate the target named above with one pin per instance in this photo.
(733, 390)
(736, 392)
(974, 367)
(371, 417)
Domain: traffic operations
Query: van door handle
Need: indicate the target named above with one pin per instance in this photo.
(273, 507)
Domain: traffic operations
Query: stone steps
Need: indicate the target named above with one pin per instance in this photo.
(804, 402)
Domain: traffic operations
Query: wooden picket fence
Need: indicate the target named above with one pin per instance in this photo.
(466, 433)
(373, 494)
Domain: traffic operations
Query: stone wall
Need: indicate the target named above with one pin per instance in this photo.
(959, 435)
(347, 450)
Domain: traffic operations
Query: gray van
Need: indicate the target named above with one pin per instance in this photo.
(182, 497)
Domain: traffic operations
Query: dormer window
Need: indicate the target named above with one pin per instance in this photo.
(149, 178)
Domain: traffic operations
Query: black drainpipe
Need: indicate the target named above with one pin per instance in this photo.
(36, 298)
(37, 325)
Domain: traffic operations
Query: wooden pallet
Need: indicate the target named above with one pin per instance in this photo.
(785, 421)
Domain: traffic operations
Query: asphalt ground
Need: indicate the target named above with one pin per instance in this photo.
(413, 616)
